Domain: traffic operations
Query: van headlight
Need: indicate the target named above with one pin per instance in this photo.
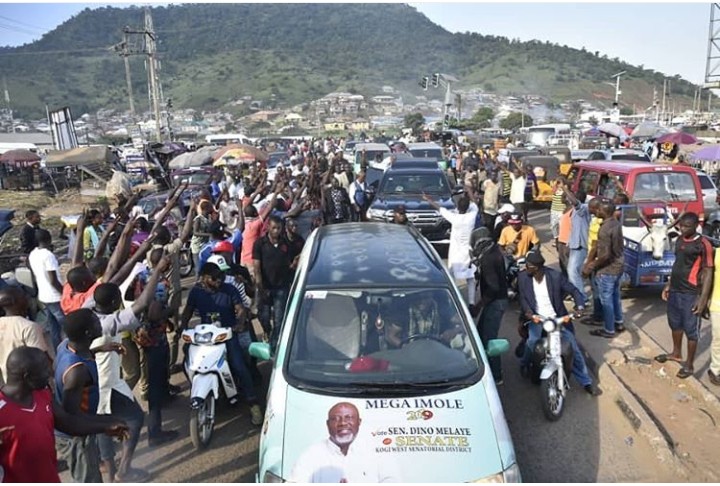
(509, 475)
(269, 477)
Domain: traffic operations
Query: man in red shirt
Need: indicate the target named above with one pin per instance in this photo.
(28, 418)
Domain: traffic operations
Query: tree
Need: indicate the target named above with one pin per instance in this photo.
(515, 120)
(414, 121)
(626, 110)
(483, 117)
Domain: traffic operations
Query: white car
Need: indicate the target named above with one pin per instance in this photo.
(710, 193)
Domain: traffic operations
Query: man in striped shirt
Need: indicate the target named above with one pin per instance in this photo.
(557, 207)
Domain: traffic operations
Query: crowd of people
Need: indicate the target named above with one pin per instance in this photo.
(108, 331)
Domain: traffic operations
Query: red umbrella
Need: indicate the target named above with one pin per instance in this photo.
(20, 157)
(678, 138)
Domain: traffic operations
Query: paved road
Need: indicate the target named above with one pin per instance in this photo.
(592, 441)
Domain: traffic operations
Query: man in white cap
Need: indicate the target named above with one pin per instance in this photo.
(501, 221)
(517, 238)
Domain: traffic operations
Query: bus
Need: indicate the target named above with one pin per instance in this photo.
(227, 138)
(539, 134)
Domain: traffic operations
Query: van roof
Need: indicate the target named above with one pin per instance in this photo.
(362, 254)
(626, 166)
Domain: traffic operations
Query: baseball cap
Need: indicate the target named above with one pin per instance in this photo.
(506, 208)
(223, 247)
(535, 258)
(219, 260)
(515, 218)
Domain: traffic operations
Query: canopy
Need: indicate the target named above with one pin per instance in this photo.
(80, 156)
(678, 138)
(648, 130)
(613, 129)
(202, 157)
(20, 158)
(241, 151)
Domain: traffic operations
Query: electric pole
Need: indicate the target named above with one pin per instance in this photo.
(151, 51)
(125, 54)
(7, 104)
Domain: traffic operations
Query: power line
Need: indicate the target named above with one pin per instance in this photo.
(67, 51)
(43, 29)
(18, 30)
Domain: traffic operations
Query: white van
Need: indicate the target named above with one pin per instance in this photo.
(379, 373)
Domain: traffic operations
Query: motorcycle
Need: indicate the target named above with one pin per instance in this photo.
(551, 365)
(513, 268)
(206, 366)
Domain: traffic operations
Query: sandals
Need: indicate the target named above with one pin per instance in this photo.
(601, 333)
(133, 476)
(685, 372)
(664, 358)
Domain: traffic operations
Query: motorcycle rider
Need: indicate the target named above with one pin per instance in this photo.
(542, 293)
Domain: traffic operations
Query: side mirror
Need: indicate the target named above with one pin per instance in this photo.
(459, 189)
(262, 351)
(495, 347)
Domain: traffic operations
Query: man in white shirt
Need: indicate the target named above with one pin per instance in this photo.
(45, 269)
(517, 189)
(358, 196)
(116, 397)
(462, 225)
(542, 293)
(339, 458)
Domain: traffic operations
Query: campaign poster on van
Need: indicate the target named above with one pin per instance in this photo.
(414, 439)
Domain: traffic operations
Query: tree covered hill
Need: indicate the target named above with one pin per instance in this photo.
(212, 54)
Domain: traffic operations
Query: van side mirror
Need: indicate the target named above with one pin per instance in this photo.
(495, 347)
(262, 351)
(459, 189)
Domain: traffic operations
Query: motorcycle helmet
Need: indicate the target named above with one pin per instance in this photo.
(714, 217)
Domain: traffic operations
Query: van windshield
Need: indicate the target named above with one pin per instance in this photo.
(360, 339)
(664, 186)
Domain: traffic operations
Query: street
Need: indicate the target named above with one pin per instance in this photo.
(592, 442)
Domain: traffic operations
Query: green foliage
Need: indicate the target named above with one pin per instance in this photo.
(213, 54)
(626, 110)
(515, 120)
(414, 121)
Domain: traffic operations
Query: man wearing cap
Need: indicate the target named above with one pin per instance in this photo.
(501, 221)
(542, 293)
(517, 238)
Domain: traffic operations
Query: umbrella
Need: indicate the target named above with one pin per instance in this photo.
(20, 157)
(678, 138)
(707, 153)
(613, 129)
(241, 151)
(648, 130)
(232, 160)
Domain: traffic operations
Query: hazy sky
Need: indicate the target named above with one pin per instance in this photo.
(668, 37)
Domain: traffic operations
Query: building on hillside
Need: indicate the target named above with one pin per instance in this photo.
(334, 126)
(359, 125)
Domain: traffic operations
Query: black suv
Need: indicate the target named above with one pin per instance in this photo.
(404, 182)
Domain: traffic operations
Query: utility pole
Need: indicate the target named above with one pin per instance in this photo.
(125, 54)
(664, 97)
(151, 51)
(7, 104)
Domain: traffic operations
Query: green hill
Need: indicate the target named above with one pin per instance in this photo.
(212, 54)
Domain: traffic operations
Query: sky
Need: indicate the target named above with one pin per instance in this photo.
(669, 37)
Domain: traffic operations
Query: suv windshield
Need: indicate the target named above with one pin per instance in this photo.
(379, 337)
(664, 186)
(430, 182)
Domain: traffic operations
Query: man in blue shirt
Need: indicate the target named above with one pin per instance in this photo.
(214, 300)
(578, 243)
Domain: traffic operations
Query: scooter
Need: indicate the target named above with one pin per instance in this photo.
(206, 366)
(550, 366)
